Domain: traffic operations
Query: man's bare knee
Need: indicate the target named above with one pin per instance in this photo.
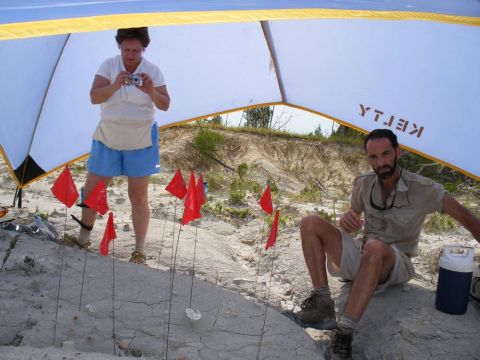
(314, 228)
(313, 224)
(378, 253)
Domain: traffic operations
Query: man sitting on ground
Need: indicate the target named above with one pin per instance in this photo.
(394, 203)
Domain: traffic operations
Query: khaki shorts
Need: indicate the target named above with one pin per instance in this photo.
(401, 272)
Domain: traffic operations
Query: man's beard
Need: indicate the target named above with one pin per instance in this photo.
(389, 173)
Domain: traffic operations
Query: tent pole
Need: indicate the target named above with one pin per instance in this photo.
(273, 55)
(17, 197)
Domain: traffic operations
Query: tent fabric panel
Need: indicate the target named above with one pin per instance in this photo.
(27, 67)
(68, 116)
(217, 67)
(208, 69)
(31, 10)
(388, 67)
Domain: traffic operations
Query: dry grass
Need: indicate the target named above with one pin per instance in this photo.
(433, 262)
(439, 223)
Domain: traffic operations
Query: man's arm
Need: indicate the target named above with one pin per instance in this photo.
(464, 216)
(351, 220)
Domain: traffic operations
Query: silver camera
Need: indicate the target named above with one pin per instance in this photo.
(134, 79)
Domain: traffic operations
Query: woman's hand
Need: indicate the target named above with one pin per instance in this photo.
(121, 79)
(159, 94)
(147, 84)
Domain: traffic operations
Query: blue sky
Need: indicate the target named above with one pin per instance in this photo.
(300, 122)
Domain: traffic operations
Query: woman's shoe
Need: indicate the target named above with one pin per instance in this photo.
(138, 258)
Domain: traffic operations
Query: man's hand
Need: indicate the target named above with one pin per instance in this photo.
(350, 221)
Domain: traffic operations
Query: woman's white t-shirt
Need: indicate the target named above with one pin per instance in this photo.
(129, 102)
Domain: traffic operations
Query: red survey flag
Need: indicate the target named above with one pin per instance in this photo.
(266, 201)
(192, 210)
(272, 238)
(200, 192)
(64, 188)
(97, 200)
(108, 236)
(177, 187)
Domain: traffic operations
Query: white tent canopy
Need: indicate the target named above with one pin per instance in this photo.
(419, 76)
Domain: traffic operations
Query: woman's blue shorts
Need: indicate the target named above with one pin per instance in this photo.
(108, 162)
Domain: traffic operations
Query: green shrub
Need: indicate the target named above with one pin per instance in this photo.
(248, 183)
(310, 193)
(215, 209)
(215, 181)
(218, 209)
(206, 142)
(237, 213)
(273, 186)
(282, 220)
(452, 188)
(439, 223)
(68, 239)
(42, 215)
(237, 192)
(214, 120)
(326, 215)
(242, 170)
(255, 187)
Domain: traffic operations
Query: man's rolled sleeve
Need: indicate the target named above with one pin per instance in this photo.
(435, 193)
(356, 202)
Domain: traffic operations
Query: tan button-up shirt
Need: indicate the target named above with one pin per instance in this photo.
(415, 197)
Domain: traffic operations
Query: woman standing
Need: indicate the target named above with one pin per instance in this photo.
(126, 140)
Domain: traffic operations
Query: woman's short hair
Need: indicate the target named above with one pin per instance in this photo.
(141, 34)
(379, 134)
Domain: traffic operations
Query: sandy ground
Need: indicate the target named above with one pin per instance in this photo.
(229, 268)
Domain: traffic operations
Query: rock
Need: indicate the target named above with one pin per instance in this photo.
(193, 314)
(126, 227)
(239, 281)
(248, 241)
(120, 200)
(124, 344)
(288, 305)
(135, 353)
(68, 345)
(288, 291)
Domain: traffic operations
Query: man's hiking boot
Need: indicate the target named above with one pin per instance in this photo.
(317, 313)
(341, 346)
(138, 258)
